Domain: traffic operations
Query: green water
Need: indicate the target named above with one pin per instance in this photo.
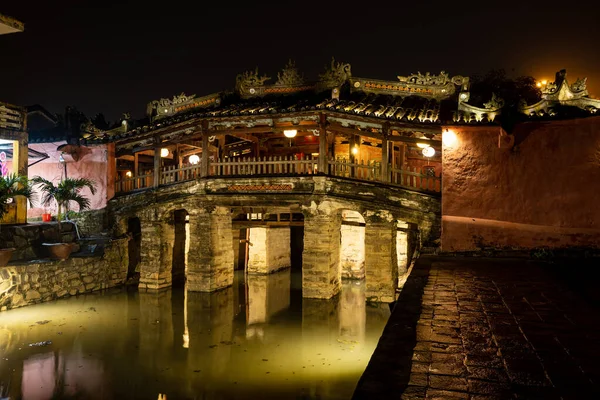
(256, 340)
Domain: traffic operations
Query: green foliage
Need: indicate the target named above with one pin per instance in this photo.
(68, 190)
(14, 186)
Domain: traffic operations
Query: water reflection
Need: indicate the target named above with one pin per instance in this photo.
(258, 339)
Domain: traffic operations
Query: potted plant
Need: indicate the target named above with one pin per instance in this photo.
(12, 186)
(68, 190)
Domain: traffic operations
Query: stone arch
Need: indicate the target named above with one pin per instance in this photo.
(352, 247)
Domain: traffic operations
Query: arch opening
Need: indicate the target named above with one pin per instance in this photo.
(352, 247)
(181, 246)
(134, 230)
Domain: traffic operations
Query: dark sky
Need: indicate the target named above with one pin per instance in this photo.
(111, 57)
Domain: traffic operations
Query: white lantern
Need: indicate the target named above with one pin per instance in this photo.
(428, 151)
(194, 159)
(290, 133)
(164, 152)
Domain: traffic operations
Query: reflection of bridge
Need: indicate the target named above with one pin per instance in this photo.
(213, 208)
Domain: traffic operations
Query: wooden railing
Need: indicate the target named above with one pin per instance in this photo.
(413, 178)
(417, 179)
(366, 171)
(143, 181)
(272, 165)
(173, 174)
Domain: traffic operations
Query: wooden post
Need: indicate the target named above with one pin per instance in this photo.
(205, 156)
(157, 163)
(136, 170)
(322, 164)
(385, 154)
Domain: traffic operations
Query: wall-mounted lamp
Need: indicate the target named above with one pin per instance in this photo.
(290, 133)
(194, 159)
(128, 174)
(355, 150)
(449, 138)
(164, 152)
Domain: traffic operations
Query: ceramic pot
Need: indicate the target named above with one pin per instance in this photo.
(5, 255)
(59, 251)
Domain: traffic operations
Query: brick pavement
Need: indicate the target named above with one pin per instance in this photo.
(467, 328)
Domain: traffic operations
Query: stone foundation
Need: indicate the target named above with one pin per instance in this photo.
(27, 239)
(210, 258)
(321, 277)
(352, 256)
(269, 250)
(27, 283)
(381, 263)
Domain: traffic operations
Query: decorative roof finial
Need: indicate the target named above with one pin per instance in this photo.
(289, 76)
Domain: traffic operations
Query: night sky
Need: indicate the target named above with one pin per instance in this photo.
(117, 56)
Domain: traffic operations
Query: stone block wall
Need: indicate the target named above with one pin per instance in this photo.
(39, 281)
(27, 239)
(352, 252)
(92, 222)
(269, 250)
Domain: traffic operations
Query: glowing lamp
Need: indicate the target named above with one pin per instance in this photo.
(128, 174)
(164, 152)
(428, 151)
(194, 159)
(544, 82)
(355, 150)
(539, 84)
(449, 138)
(290, 133)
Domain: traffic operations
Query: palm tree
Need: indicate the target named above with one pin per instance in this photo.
(11, 186)
(68, 190)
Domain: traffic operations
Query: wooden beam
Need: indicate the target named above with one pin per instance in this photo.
(322, 166)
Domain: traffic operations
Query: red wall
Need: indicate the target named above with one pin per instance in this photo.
(91, 165)
(544, 191)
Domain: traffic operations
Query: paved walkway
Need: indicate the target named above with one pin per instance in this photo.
(478, 329)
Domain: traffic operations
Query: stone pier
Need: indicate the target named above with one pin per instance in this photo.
(352, 256)
(156, 254)
(269, 249)
(321, 275)
(210, 257)
(381, 259)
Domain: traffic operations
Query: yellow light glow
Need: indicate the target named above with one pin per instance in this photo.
(428, 151)
(539, 84)
(449, 138)
(128, 174)
(544, 82)
(355, 150)
(164, 152)
(290, 133)
(422, 145)
(194, 159)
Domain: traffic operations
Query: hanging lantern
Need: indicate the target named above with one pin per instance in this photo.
(164, 152)
(290, 133)
(428, 152)
(194, 159)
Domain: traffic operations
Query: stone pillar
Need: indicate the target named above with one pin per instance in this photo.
(321, 272)
(210, 258)
(269, 249)
(381, 260)
(352, 253)
(156, 254)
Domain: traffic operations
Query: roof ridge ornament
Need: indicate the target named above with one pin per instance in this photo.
(247, 82)
(289, 75)
(336, 74)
